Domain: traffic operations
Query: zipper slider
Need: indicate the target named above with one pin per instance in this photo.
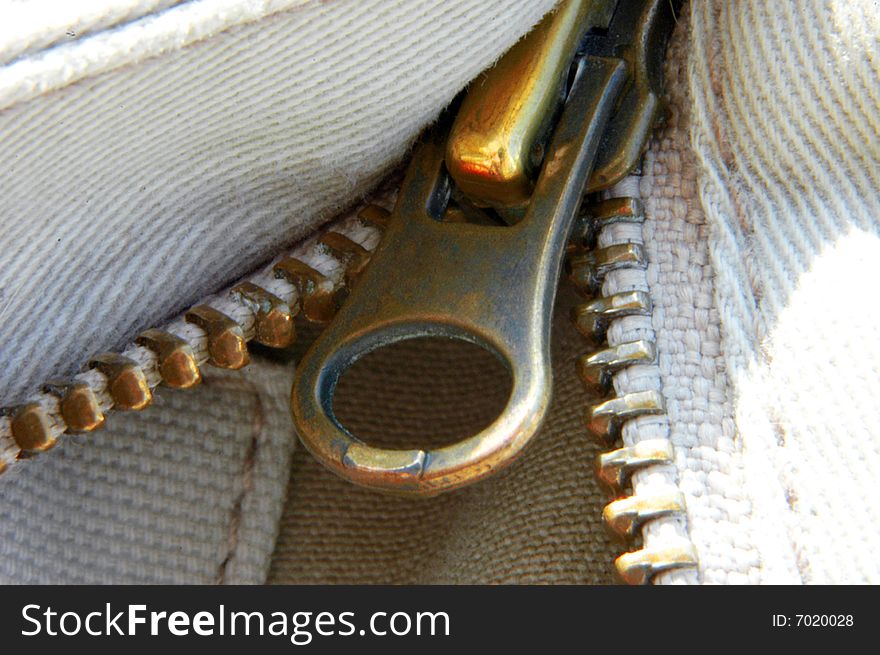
(474, 247)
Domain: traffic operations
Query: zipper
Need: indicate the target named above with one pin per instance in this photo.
(494, 188)
(307, 283)
(617, 327)
(589, 144)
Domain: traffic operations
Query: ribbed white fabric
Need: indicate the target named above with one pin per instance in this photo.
(107, 50)
(131, 194)
(785, 99)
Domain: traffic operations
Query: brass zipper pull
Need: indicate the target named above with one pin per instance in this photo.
(475, 244)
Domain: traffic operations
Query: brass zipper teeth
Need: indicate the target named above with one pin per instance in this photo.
(308, 282)
(645, 506)
(641, 566)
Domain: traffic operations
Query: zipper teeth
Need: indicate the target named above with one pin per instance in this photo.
(609, 266)
(307, 281)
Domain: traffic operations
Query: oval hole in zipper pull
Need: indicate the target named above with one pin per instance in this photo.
(459, 261)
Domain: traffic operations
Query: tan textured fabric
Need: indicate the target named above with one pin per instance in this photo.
(537, 522)
(188, 491)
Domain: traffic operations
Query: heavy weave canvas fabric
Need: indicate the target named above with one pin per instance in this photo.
(189, 491)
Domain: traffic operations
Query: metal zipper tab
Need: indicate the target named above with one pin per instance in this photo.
(616, 467)
(226, 343)
(273, 318)
(640, 566)
(475, 244)
(592, 318)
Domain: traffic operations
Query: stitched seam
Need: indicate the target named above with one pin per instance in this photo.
(258, 425)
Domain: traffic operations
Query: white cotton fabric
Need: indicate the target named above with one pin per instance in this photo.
(72, 58)
(785, 112)
(153, 166)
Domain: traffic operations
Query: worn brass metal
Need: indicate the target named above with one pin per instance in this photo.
(318, 296)
(639, 567)
(78, 404)
(597, 216)
(126, 382)
(494, 148)
(487, 284)
(227, 347)
(597, 368)
(587, 270)
(592, 318)
(374, 216)
(522, 144)
(615, 210)
(174, 357)
(604, 420)
(496, 145)
(643, 28)
(275, 326)
(353, 255)
(625, 516)
(31, 428)
(616, 467)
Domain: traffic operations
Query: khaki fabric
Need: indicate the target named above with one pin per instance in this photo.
(189, 491)
(537, 522)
